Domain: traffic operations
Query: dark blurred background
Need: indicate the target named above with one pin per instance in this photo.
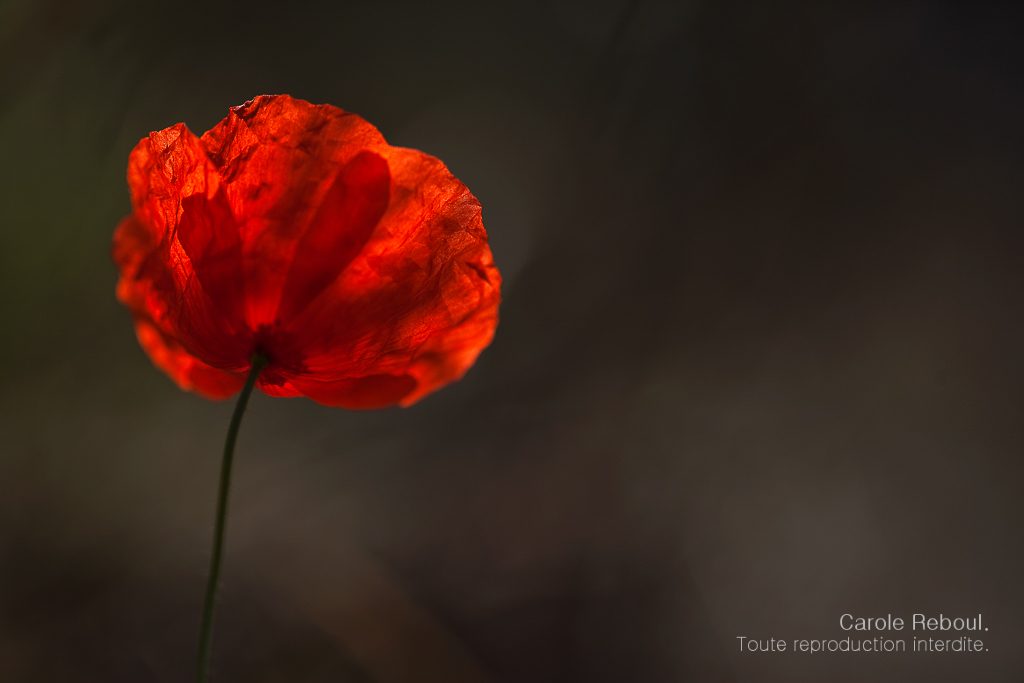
(759, 362)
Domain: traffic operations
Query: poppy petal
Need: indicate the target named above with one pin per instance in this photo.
(208, 235)
(360, 270)
(362, 393)
(179, 259)
(421, 298)
(279, 158)
(341, 227)
(187, 371)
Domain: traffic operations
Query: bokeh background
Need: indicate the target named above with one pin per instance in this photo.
(759, 362)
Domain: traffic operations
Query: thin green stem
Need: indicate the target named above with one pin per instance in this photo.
(206, 630)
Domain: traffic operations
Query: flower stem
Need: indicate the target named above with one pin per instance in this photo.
(206, 630)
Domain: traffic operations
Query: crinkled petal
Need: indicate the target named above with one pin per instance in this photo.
(420, 300)
(180, 252)
(187, 371)
(362, 271)
(347, 217)
(279, 159)
(361, 393)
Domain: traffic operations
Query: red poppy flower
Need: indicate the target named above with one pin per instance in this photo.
(358, 270)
